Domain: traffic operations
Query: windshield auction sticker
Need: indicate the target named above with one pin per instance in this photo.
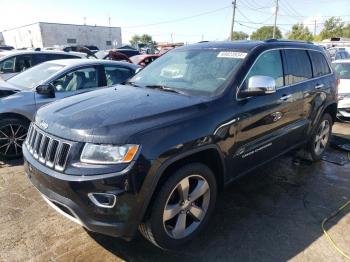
(230, 54)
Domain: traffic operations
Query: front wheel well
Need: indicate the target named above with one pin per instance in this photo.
(14, 115)
(209, 157)
(332, 110)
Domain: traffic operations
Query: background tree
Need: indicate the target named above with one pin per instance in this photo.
(265, 32)
(135, 39)
(333, 27)
(239, 35)
(300, 32)
(346, 31)
(143, 39)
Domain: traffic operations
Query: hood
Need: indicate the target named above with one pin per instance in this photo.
(7, 89)
(7, 76)
(114, 114)
(344, 86)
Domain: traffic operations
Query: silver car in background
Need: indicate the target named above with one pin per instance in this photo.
(16, 61)
(22, 95)
(342, 70)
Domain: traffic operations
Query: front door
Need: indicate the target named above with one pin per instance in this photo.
(72, 83)
(268, 125)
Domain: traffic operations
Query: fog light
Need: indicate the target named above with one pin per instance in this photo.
(104, 200)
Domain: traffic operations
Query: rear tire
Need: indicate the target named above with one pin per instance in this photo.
(13, 132)
(182, 207)
(320, 138)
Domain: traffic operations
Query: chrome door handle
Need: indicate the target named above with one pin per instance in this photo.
(319, 86)
(285, 97)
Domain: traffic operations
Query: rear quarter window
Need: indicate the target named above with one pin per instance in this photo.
(297, 66)
(319, 64)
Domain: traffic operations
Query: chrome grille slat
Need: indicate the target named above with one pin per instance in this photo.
(37, 144)
(53, 152)
(32, 141)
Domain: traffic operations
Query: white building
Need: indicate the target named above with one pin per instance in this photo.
(50, 34)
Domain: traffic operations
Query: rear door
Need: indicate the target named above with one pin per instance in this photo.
(268, 124)
(316, 90)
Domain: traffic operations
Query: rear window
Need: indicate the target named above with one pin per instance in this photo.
(297, 66)
(319, 64)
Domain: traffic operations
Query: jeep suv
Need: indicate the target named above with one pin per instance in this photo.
(153, 154)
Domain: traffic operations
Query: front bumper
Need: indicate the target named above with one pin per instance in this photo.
(69, 196)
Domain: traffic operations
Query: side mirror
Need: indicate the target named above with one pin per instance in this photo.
(47, 90)
(259, 86)
(138, 70)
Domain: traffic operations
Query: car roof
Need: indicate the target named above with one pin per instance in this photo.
(145, 56)
(343, 61)
(249, 45)
(29, 52)
(82, 62)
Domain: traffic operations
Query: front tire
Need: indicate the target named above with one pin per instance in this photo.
(13, 132)
(182, 207)
(320, 138)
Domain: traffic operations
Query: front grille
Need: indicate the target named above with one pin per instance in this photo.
(50, 151)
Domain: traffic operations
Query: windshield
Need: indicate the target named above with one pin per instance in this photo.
(35, 76)
(342, 70)
(194, 72)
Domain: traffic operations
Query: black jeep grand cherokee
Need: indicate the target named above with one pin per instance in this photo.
(154, 153)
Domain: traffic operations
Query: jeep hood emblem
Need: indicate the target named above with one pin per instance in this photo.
(43, 124)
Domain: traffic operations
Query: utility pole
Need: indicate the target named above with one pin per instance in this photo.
(233, 18)
(84, 20)
(109, 32)
(315, 25)
(172, 40)
(274, 27)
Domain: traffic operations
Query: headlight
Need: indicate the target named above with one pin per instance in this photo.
(108, 154)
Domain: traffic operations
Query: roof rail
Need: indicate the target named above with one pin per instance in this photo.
(286, 41)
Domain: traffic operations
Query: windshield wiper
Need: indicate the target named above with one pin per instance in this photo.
(165, 88)
(130, 83)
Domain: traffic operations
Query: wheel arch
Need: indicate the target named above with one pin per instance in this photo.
(14, 115)
(209, 155)
(332, 110)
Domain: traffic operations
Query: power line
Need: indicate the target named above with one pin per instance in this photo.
(179, 19)
(250, 21)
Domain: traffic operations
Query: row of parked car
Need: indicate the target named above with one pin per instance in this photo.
(151, 150)
(15, 61)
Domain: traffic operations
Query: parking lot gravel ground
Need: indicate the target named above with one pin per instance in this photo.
(272, 214)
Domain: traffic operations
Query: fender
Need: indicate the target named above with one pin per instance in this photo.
(320, 113)
(158, 174)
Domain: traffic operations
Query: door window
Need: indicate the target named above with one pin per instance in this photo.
(7, 66)
(77, 80)
(298, 66)
(23, 62)
(319, 64)
(117, 74)
(268, 64)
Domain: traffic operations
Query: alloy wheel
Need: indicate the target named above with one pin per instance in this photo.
(322, 137)
(186, 206)
(12, 137)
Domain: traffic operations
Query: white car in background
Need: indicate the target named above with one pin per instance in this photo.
(342, 70)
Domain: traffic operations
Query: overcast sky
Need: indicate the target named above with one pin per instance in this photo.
(180, 20)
